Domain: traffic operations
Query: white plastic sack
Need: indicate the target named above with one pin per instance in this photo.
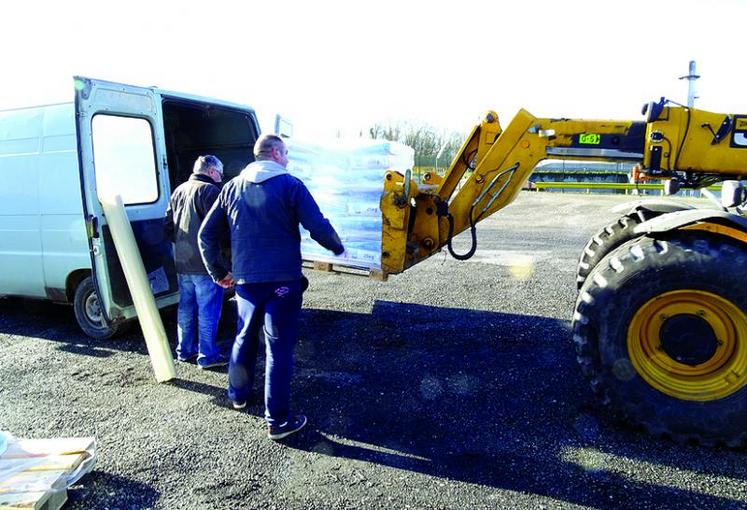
(346, 178)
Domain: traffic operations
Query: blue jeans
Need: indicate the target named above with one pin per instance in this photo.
(273, 308)
(200, 302)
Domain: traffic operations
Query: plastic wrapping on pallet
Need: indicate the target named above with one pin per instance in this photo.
(346, 178)
(36, 473)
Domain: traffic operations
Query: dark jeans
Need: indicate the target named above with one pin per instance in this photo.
(273, 308)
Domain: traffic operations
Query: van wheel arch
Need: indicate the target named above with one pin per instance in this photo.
(72, 281)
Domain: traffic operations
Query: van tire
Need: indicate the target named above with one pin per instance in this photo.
(88, 312)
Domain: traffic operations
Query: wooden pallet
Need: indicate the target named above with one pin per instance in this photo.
(329, 267)
(38, 471)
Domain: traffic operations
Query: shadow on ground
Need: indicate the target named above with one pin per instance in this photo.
(104, 490)
(488, 398)
(56, 322)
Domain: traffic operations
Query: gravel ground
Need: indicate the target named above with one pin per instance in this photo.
(453, 385)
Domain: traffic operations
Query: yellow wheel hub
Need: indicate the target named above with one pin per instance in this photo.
(709, 331)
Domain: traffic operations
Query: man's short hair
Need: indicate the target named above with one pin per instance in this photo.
(203, 164)
(265, 144)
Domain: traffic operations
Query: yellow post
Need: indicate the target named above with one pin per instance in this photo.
(137, 281)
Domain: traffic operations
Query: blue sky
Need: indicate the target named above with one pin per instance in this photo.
(340, 66)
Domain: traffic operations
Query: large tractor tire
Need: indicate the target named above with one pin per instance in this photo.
(620, 232)
(88, 313)
(661, 332)
(607, 239)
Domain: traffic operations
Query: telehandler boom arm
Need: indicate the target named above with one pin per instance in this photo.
(489, 170)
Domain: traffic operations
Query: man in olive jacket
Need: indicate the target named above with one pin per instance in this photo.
(200, 298)
(260, 211)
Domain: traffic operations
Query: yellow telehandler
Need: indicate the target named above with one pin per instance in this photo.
(660, 323)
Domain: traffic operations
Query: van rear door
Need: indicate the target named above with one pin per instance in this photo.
(121, 150)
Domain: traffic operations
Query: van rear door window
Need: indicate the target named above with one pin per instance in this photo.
(124, 158)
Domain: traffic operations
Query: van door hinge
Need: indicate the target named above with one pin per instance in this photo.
(92, 226)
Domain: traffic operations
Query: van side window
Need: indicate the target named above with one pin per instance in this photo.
(124, 158)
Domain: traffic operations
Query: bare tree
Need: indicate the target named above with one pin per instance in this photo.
(427, 141)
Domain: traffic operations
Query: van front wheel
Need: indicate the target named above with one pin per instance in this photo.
(88, 313)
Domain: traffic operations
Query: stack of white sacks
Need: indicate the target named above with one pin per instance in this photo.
(346, 178)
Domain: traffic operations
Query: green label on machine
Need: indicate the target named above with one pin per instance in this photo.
(590, 139)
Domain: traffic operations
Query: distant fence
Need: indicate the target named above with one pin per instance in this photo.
(627, 188)
(588, 187)
(584, 181)
(547, 173)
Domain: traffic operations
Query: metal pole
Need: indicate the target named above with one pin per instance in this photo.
(691, 77)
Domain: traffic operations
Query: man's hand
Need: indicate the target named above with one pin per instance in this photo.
(227, 282)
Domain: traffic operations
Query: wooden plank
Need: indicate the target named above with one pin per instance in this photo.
(378, 276)
(18, 500)
(322, 266)
(33, 481)
(20, 448)
(47, 463)
(331, 267)
(49, 500)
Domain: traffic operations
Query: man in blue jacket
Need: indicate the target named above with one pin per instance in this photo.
(260, 211)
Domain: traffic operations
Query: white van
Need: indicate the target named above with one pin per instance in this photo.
(140, 142)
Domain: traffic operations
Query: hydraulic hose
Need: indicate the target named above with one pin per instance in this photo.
(473, 233)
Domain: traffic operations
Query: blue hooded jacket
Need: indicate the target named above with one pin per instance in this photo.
(260, 211)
